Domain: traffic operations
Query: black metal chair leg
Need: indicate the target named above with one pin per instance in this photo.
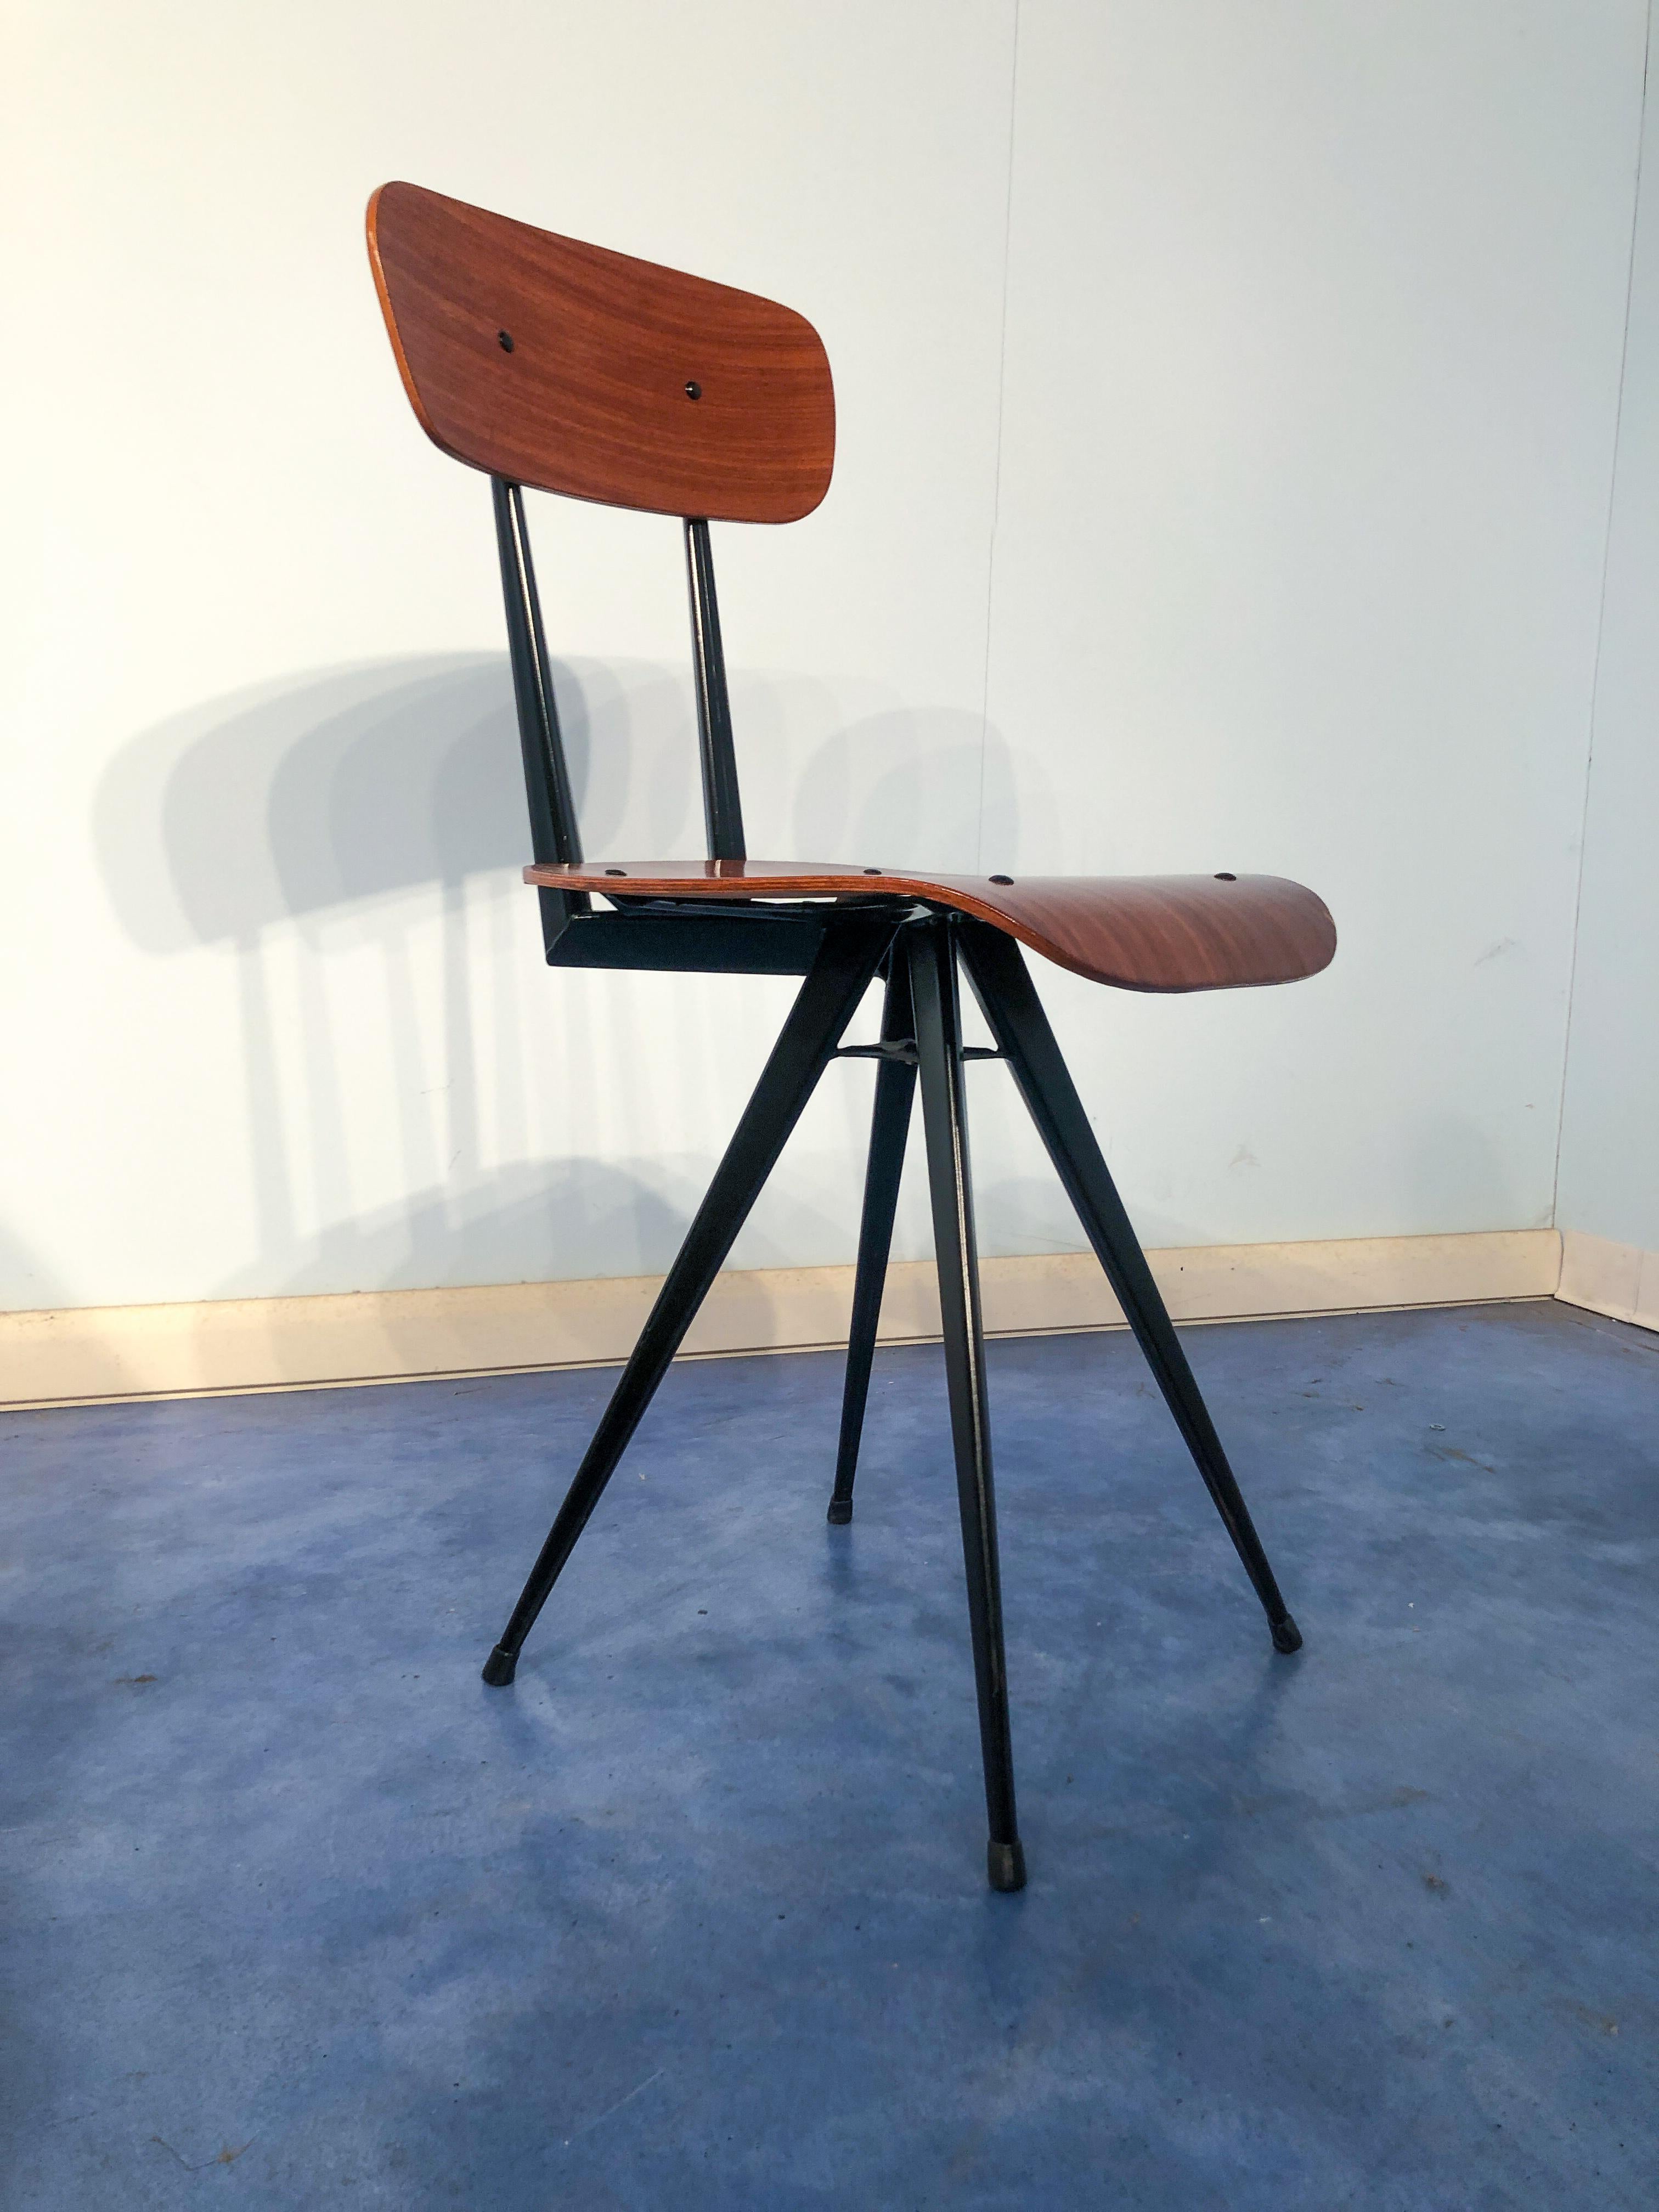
(890, 1129)
(938, 1048)
(826, 1004)
(1012, 1006)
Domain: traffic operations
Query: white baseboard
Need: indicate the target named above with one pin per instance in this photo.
(1605, 1277)
(86, 1354)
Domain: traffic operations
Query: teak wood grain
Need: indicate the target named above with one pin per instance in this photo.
(574, 369)
(1138, 933)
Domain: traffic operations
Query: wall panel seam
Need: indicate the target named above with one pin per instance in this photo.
(1601, 626)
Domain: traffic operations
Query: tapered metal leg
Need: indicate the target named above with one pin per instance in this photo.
(939, 1047)
(1012, 1006)
(890, 1129)
(826, 1003)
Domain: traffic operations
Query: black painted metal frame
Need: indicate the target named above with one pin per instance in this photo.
(840, 951)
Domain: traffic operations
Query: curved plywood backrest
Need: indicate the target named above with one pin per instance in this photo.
(575, 370)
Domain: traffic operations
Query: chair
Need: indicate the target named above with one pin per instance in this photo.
(570, 369)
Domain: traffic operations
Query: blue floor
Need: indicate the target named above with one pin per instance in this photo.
(299, 1914)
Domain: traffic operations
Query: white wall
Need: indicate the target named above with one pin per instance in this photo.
(1269, 538)
(1314, 331)
(1609, 1183)
(276, 1038)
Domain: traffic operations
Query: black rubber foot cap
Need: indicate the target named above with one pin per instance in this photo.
(1006, 1864)
(840, 1513)
(1287, 1637)
(500, 1668)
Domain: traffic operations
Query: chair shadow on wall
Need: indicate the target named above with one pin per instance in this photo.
(344, 813)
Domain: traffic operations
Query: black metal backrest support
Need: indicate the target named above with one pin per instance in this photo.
(721, 807)
(554, 832)
(553, 835)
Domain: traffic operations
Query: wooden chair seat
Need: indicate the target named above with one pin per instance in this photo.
(1138, 932)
